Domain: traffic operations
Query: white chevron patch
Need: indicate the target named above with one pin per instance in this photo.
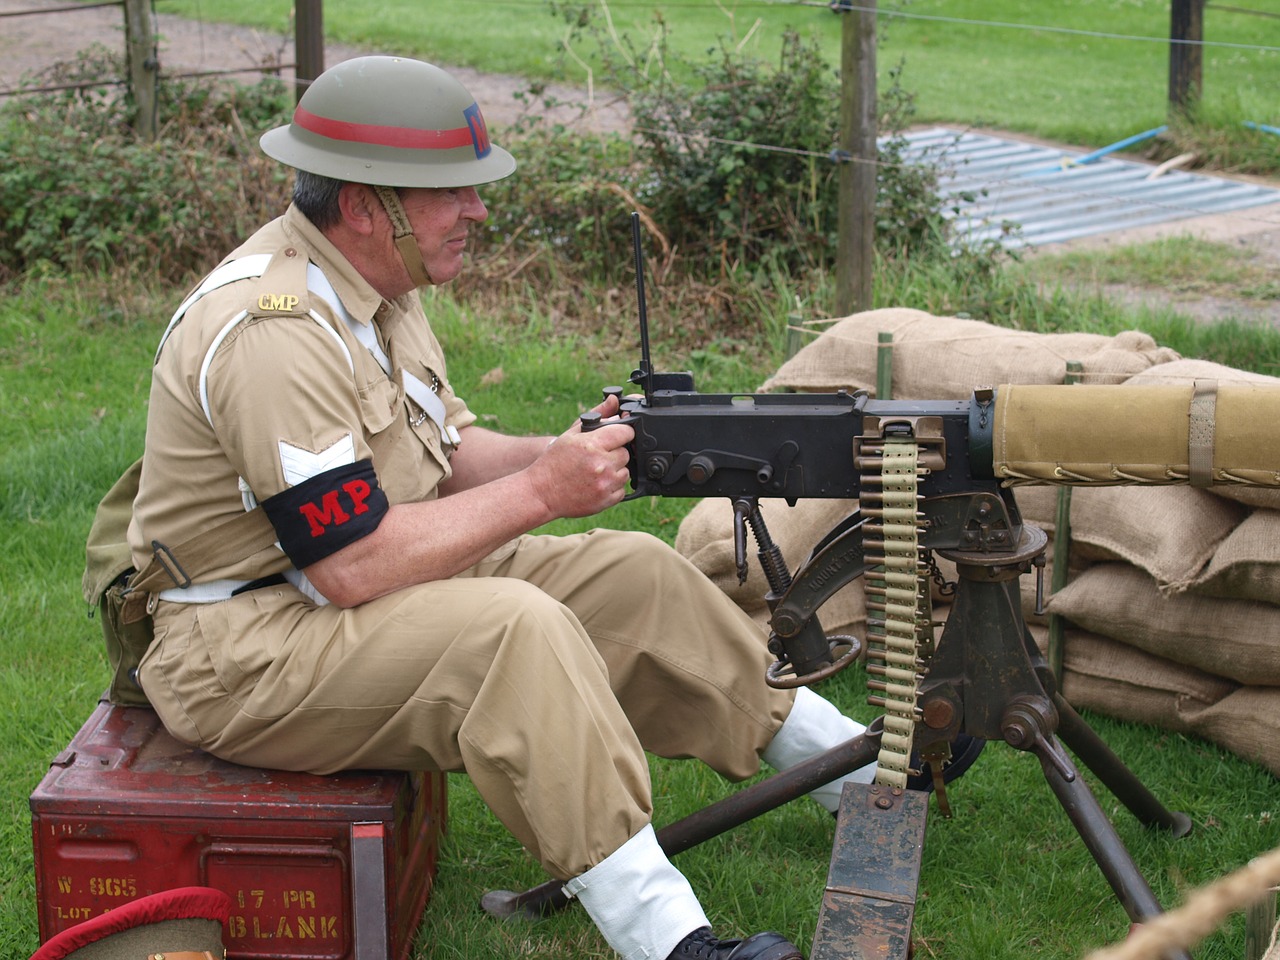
(299, 464)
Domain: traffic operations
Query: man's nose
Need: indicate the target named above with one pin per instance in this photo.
(473, 207)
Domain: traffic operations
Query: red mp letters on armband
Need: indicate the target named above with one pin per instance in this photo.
(327, 512)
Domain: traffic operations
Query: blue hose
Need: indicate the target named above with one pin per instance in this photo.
(1067, 162)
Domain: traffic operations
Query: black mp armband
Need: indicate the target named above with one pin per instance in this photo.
(327, 512)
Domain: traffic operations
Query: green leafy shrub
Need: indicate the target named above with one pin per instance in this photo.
(736, 171)
(79, 190)
(570, 199)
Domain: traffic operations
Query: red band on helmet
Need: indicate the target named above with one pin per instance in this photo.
(381, 136)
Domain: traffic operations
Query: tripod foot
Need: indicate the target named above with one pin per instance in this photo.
(1111, 770)
(533, 904)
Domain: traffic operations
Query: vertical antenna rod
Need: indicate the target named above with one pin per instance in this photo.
(641, 376)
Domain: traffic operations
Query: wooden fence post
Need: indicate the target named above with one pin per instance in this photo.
(855, 256)
(1186, 33)
(140, 49)
(308, 44)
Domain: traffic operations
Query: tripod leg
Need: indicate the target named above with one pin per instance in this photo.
(1111, 770)
(711, 821)
(1101, 839)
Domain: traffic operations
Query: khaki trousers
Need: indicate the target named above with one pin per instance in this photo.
(544, 673)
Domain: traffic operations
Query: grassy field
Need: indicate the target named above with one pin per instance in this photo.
(1089, 72)
(1005, 878)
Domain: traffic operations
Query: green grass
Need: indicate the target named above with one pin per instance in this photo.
(1088, 90)
(1181, 267)
(1006, 877)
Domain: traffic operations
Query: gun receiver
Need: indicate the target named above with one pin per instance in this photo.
(797, 446)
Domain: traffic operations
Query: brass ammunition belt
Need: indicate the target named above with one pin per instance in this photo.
(900, 639)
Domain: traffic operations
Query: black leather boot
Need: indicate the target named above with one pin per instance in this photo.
(701, 945)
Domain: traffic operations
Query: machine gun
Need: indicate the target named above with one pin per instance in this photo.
(929, 476)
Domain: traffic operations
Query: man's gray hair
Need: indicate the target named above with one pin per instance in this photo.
(317, 198)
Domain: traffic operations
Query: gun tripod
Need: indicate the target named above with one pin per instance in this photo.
(986, 679)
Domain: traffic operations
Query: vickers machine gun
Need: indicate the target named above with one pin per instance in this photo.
(929, 476)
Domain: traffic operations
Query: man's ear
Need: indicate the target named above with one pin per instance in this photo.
(359, 206)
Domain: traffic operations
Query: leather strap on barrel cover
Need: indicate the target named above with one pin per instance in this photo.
(1082, 435)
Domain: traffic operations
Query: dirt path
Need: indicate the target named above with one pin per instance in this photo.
(33, 41)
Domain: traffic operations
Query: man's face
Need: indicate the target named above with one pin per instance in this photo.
(441, 219)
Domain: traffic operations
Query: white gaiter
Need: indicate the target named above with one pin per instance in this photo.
(641, 903)
(814, 726)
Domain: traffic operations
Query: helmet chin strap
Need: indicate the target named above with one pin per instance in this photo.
(405, 244)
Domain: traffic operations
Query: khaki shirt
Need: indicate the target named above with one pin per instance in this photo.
(240, 411)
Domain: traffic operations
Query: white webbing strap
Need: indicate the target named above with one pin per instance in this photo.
(254, 265)
(424, 395)
(210, 592)
(319, 284)
(251, 267)
(243, 269)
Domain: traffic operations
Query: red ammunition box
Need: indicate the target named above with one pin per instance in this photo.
(319, 868)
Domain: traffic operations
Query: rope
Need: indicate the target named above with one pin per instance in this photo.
(1201, 914)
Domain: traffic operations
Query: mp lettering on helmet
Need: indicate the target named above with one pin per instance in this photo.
(479, 133)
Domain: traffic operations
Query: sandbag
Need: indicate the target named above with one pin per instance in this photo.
(1236, 639)
(1246, 565)
(1117, 680)
(1186, 370)
(1169, 532)
(1246, 722)
(1103, 674)
(945, 358)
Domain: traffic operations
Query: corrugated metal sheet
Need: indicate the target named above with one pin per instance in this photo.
(1028, 195)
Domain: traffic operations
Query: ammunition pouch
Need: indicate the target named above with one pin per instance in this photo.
(126, 623)
(122, 595)
(127, 632)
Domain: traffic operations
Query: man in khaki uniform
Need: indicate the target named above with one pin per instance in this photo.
(403, 617)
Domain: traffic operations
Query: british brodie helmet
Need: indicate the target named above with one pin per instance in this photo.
(390, 122)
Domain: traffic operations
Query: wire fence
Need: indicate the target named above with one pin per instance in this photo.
(278, 67)
(887, 13)
(270, 66)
